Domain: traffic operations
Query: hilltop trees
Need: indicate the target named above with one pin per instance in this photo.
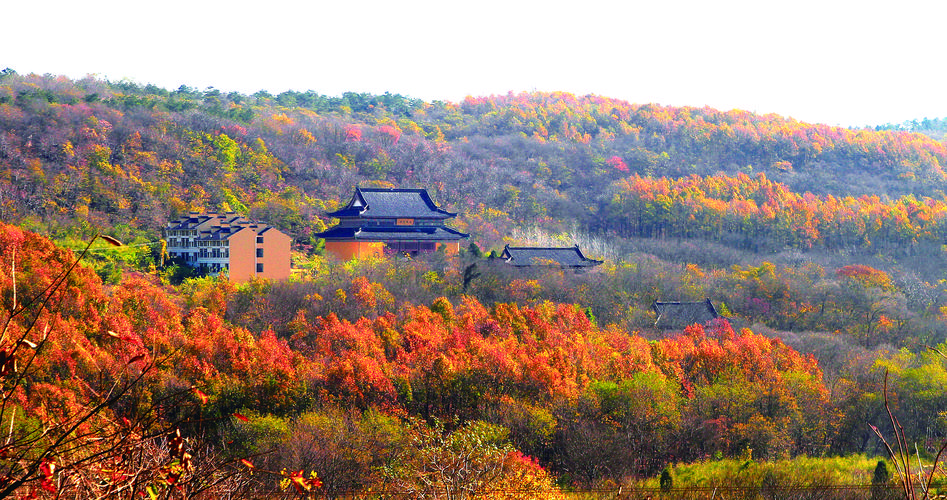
(121, 153)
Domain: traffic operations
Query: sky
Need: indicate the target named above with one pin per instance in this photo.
(838, 62)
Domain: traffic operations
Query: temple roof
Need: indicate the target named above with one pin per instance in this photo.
(682, 314)
(391, 204)
(391, 233)
(539, 256)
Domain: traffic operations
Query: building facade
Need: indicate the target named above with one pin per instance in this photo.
(378, 222)
(229, 243)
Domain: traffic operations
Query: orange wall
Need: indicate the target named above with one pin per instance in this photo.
(242, 255)
(452, 247)
(276, 258)
(348, 250)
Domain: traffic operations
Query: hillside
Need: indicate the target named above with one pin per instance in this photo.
(822, 247)
(93, 155)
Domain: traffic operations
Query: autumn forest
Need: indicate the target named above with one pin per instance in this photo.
(128, 374)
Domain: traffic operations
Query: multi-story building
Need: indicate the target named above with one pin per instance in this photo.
(390, 221)
(229, 242)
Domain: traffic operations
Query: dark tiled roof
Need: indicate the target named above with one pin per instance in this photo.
(682, 314)
(216, 226)
(392, 204)
(538, 256)
(221, 233)
(389, 233)
(195, 219)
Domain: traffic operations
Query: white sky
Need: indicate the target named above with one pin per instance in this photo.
(840, 62)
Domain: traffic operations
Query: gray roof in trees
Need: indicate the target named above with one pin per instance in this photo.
(369, 203)
(682, 314)
(547, 256)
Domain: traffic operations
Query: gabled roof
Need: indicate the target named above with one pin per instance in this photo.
(682, 314)
(544, 256)
(215, 226)
(201, 220)
(391, 204)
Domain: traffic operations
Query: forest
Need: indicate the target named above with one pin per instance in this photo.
(126, 374)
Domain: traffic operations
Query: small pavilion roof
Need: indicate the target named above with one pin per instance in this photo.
(539, 256)
(681, 314)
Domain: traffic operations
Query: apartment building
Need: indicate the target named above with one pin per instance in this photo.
(229, 243)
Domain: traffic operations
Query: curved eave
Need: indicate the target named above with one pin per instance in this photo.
(345, 213)
(412, 233)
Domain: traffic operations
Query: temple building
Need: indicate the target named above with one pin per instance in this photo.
(379, 221)
(229, 243)
(564, 257)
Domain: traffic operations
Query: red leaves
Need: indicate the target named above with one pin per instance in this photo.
(617, 163)
(866, 275)
(241, 417)
(700, 357)
(48, 469)
(353, 133)
(301, 483)
(392, 132)
(204, 398)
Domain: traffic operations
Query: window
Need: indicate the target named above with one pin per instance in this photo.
(259, 268)
(259, 252)
(259, 239)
